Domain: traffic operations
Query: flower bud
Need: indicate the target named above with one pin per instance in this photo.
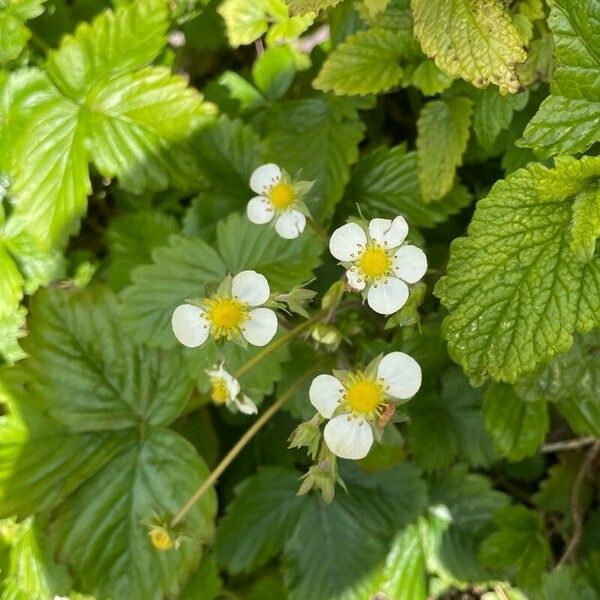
(327, 335)
(307, 435)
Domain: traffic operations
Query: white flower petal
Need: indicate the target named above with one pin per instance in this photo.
(346, 242)
(325, 393)
(386, 297)
(260, 210)
(348, 437)
(264, 178)
(409, 263)
(246, 406)
(261, 327)
(389, 233)
(401, 375)
(250, 287)
(233, 385)
(189, 325)
(355, 279)
(290, 224)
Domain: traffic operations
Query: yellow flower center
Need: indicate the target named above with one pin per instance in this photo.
(374, 262)
(363, 396)
(281, 195)
(226, 316)
(160, 539)
(220, 393)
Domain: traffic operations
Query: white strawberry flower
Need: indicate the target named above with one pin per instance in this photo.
(378, 262)
(354, 404)
(229, 315)
(226, 390)
(279, 198)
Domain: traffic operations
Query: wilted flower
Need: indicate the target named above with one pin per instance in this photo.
(377, 261)
(279, 198)
(355, 402)
(228, 314)
(226, 390)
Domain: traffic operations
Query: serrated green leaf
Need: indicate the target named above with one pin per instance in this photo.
(517, 427)
(446, 424)
(566, 583)
(205, 583)
(244, 245)
(385, 183)
(274, 71)
(114, 42)
(299, 7)
(443, 133)
(515, 291)
(429, 79)
(367, 62)
(267, 508)
(318, 140)
(179, 271)
(12, 327)
(247, 20)
(139, 127)
(11, 283)
(32, 573)
(517, 545)
(475, 40)
(569, 119)
(131, 239)
(13, 32)
(585, 227)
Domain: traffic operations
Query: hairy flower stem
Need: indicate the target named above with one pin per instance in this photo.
(241, 443)
(318, 229)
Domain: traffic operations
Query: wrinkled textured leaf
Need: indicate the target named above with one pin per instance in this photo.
(304, 6)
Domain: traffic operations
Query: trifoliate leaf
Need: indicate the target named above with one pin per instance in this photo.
(475, 40)
(569, 119)
(566, 583)
(140, 126)
(443, 133)
(179, 271)
(32, 573)
(448, 423)
(517, 427)
(385, 183)
(72, 438)
(518, 545)
(131, 239)
(316, 139)
(247, 20)
(114, 42)
(13, 32)
(515, 291)
(267, 508)
(367, 62)
(585, 228)
(300, 7)
(285, 263)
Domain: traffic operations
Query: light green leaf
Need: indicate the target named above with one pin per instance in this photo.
(299, 7)
(267, 509)
(285, 263)
(472, 39)
(515, 291)
(585, 227)
(247, 20)
(131, 239)
(289, 29)
(517, 427)
(179, 271)
(205, 583)
(429, 79)
(367, 62)
(385, 183)
(114, 42)
(568, 120)
(443, 133)
(13, 32)
(448, 423)
(566, 583)
(139, 127)
(317, 139)
(518, 545)
(12, 327)
(11, 283)
(274, 71)
(32, 573)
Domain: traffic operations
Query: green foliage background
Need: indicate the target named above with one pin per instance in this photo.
(128, 133)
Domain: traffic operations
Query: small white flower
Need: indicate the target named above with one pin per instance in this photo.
(229, 316)
(226, 390)
(359, 400)
(279, 198)
(378, 263)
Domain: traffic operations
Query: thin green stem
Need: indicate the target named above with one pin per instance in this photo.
(241, 443)
(317, 229)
